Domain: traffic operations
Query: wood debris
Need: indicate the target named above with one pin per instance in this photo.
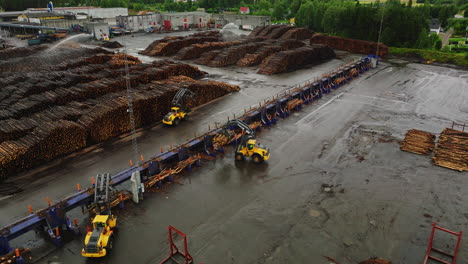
(418, 141)
(452, 150)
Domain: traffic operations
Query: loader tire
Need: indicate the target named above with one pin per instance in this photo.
(240, 156)
(257, 159)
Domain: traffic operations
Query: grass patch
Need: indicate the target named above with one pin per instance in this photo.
(460, 59)
(457, 39)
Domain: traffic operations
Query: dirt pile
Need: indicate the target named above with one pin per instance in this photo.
(53, 112)
(352, 45)
(418, 141)
(290, 60)
(112, 45)
(452, 150)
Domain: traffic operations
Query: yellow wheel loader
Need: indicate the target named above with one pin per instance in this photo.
(250, 148)
(99, 241)
(178, 111)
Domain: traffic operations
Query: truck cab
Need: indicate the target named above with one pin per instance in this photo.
(99, 241)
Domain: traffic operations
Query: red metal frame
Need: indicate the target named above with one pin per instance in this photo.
(430, 246)
(174, 250)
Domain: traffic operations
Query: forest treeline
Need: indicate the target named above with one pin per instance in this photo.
(403, 24)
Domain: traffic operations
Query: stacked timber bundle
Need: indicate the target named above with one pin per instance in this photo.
(289, 60)
(173, 46)
(452, 150)
(262, 53)
(196, 50)
(231, 55)
(207, 57)
(43, 144)
(279, 31)
(267, 30)
(256, 32)
(298, 34)
(155, 43)
(7, 54)
(419, 142)
(256, 58)
(352, 45)
(54, 111)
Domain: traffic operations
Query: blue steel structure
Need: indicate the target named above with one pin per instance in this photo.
(54, 217)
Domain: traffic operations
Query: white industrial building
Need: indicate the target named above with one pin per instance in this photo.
(139, 22)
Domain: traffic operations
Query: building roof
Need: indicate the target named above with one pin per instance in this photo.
(435, 23)
(244, 8)
(43, 14)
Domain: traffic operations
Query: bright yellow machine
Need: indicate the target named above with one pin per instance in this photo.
(100, 240)
(251, 149)
(175, 116)
(178, 111)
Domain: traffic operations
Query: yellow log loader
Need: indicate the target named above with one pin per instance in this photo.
(178, 110)
(99, 241)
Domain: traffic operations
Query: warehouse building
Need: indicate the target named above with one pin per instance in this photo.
(139, 22)
(243, 21)
(185, 20)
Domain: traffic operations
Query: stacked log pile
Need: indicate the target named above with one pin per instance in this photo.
(352, 45)
(298, 34)
(278, 32)
(7, 54)
(196, 50)
(452, 150)
(289, 60)
(256, 32)
(50, 113)
(263, 52)
(171, 45)
(231, 55)
(263, 46)
(418, 141)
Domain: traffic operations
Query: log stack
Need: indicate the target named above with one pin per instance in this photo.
(452, 150)
(231, 55)
(278, 32)
(352, 45)
(418, 141)
(196, 50)
(289, 60)
(171, 47)
(63, 108)
(298, 34)
(252, 59)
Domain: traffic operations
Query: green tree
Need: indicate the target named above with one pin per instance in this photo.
(278, 12)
